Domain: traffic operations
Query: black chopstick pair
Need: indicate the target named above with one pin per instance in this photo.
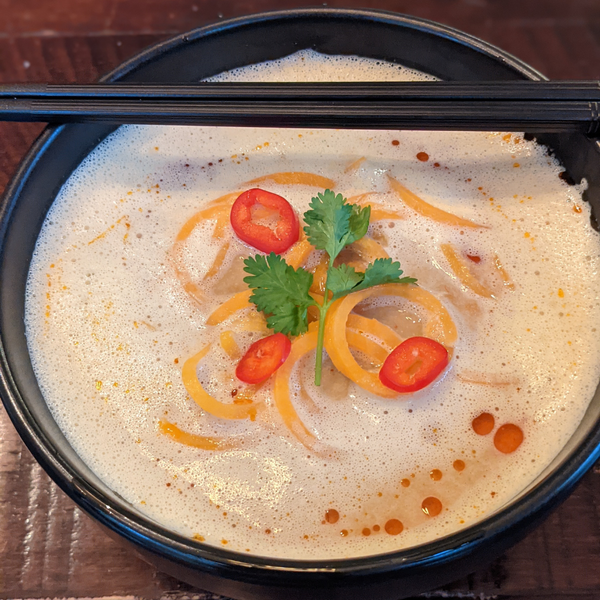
(533, 106)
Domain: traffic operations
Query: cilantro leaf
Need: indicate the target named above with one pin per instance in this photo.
(332, 224)
(280, 291)
(383, 270)
(327, 222)
(344, 280)
(288, 319)
(359, 222)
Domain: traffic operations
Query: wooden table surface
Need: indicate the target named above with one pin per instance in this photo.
(48, 547)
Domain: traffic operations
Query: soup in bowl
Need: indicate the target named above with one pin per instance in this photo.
(143, 302)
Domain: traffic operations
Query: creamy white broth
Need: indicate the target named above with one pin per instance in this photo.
(109, 326)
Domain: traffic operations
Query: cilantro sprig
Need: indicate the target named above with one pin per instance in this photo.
(282, 292)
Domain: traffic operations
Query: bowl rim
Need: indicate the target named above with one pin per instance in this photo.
(247, 567)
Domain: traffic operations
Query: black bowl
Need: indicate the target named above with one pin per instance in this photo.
(415, 43)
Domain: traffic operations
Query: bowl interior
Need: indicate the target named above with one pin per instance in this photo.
(189, 58)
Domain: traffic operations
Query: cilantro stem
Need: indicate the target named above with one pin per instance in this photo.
(320, 339)
(321, 335)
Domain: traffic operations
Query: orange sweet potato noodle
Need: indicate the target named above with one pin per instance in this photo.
(229, 344)
(237, 302)
(378, 212)
(204, 400)
(295, 178)
(218, 262)
(464, 274)
(195, 441)
(428, 210)
(218, 208)
(281, 390)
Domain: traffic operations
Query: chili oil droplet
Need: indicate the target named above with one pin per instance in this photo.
(332, 516)
(459, 465)
(435, 474)
(423, 156)
(431, 506)
(394, 527)
(366, 532)
(405, 483)
(483, 424)
(508, 438)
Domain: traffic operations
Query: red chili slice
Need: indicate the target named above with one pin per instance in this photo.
(261, 237)
(413, 365)
(263, 358)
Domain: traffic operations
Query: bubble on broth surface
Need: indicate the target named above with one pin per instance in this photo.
(110, 325)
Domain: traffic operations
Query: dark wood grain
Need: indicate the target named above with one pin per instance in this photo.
(48, 547)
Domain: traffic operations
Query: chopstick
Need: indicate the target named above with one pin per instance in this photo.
(533, 106)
